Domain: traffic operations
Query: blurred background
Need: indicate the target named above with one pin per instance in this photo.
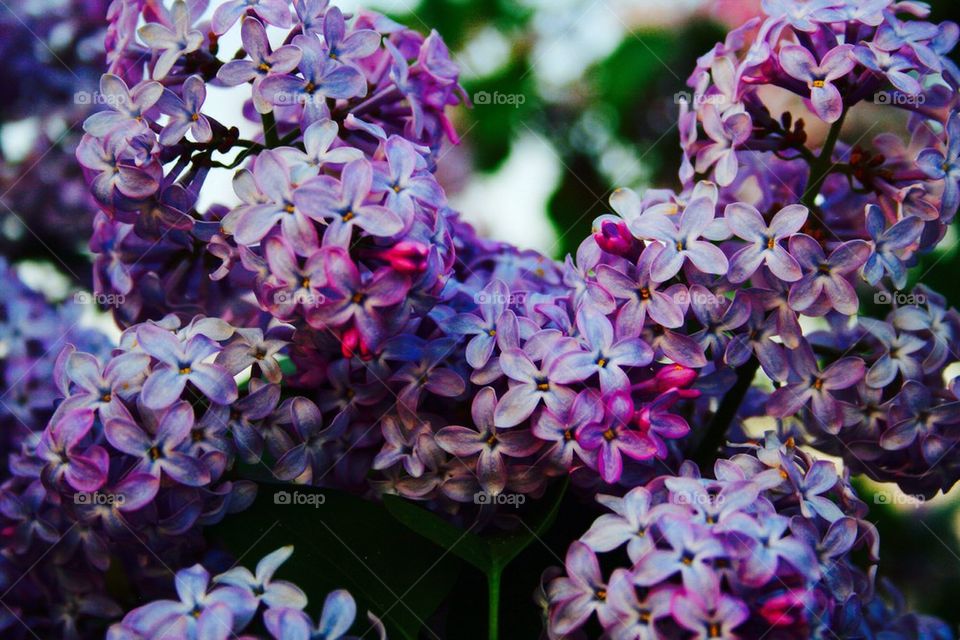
(571, 99)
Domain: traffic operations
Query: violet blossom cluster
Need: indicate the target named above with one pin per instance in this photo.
(33, 331)
(767, 548)
(788, 230)
(389, 349)
(238, 600)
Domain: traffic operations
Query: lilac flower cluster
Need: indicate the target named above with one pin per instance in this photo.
(32, 332)
(135, 454)
(765, 549)
(237, 600)
(369, 318)
(351, 114)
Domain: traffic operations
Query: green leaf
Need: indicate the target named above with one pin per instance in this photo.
(489, 554)
(464, 544)
(342, 541)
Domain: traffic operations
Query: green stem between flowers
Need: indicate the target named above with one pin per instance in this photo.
(821, 167)
(493, 602)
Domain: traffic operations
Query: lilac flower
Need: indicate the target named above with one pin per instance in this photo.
(681, 243)
(237, 426)
(84, 469)
(820, 478)
(560, 428)
(890, 245)
(307, 457)
(120, 379)
(423, 370)
(161, 450)
(293, 286)
(579, 593)
(347, 48)
(262, 62)
(181, 362)
(719, 317)
(613, 438)
(803, 16)
(726, 132)
(580, 276)
(262, 586)
(708, 617)
(404, 179)
(409, 441)
(323, 78)
(275, 12)
(765, 248)
(492, 302)
(897, 354)
(769, 543)
(894, 67)
(826, 276)
(126, 115)
(633, 617)
(945, 166)
(185, 113)
(912, 35)
(199, 614)
(809, 384)
(252, 221)
(532, 384)
(251, 347)
(641, 295)
(173, 39)
(351, 297)
(914, 415)
(690, 552)
(490, 444)
(339, 611)
(836, 63)
(631, 523)
(344, 204)
(115, 170)
(603, 356)
(27, 521)
(318, 151)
